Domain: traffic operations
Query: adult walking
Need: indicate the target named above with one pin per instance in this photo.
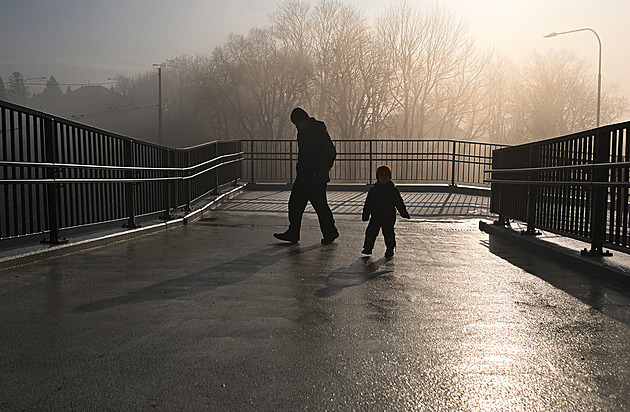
(316, 154)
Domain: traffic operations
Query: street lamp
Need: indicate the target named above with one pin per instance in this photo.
(24, 88)
(159, 102)
(159, 66)
(180, 87)
(599, 74)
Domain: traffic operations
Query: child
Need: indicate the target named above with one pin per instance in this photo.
(381, 203)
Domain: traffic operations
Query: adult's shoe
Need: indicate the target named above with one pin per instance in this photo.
(286, 236)
(327, 240)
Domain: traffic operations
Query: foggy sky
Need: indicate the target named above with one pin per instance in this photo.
(87, 41)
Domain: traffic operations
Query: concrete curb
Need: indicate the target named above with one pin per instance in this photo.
(71, 247)
(596, 266)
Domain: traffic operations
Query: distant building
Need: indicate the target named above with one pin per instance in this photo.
(83, 103)
(100, 107)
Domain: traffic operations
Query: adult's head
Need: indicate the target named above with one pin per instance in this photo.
(299, 118)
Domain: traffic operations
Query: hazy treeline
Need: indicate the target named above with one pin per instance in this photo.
(412, 73)
(16, 88)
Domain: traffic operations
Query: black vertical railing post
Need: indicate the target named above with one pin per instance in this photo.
(237, 165)
(599, 198)
(371, 166)
(166, 202)
(187, 182)
(174, 184)
(453, 164)
(216, 169)
(532, 192)
(251, 160)
(130, 195)
(496, 190)
(52, 188)
(237, 173)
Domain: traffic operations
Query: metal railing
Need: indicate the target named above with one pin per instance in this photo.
(575, 185)
(450, 162)
(57, 174)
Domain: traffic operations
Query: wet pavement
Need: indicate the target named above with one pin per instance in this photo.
(218, 315)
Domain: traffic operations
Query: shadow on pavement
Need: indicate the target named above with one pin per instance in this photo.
(359, 272)
(606, 297)
(206, 279)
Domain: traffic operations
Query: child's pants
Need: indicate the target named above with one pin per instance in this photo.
(373, 229)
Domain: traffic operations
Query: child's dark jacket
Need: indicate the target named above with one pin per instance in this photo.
(382, 201)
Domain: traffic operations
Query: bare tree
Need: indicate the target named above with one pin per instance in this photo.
(462, 98)
(348, 83)
(141, 111)
(3, 90)
(435, 70)
(291, 25)
(260, 82)
(205, 113)
(215, 97)
(496, 118)
(379, 98)
(399, 33)
(614, 105)
(554, 97)
(122, 84)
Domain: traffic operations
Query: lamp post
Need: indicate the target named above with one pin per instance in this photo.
(159, 102)
(599, 73)
(24, 88)
(159, 66)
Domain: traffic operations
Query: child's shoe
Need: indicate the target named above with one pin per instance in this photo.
(389, 252)
(366, 251)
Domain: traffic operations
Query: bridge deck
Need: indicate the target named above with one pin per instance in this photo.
(218, 315)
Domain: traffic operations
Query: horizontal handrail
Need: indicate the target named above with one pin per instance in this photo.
(118, 180)
(617, 165)
(467, 142)
(560, 183)
(111, 168)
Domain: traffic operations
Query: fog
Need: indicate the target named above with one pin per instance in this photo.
(483, 86)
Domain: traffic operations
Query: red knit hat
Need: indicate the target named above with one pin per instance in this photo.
(383, 169)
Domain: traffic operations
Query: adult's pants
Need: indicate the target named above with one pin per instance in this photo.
(301, 194)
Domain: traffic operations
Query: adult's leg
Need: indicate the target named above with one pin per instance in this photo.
(324, 214)
(297, 204)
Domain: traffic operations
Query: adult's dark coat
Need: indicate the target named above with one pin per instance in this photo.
(316, 153)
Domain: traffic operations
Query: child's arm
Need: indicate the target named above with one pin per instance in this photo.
(366, 208)
(400, 205)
